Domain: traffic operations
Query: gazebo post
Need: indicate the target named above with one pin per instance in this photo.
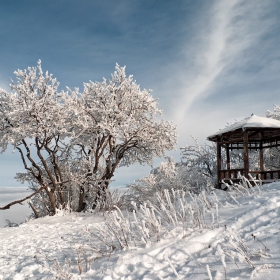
(261, 160)
(246, 156)
(228, 161)
(219, 163)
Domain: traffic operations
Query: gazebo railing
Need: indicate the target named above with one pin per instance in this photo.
(230, 173)
(265, 175)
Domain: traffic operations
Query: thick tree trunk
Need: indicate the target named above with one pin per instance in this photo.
(52, 201)
(101, 196)
(82, 204)
(61, 198)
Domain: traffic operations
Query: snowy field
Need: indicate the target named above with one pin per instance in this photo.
(242, 243)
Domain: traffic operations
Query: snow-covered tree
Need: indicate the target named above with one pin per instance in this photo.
(201, 162)
(34, 120)
(117, 124)
(71, 143)
(275, 114)
(272, 155)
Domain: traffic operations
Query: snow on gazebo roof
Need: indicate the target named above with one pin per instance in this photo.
(250, 122)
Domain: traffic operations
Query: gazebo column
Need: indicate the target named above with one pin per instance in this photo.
(246, 156)
(261, 161)
(228, 161)
(219, 163)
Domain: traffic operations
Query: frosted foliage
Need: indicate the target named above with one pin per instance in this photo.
(71, 142)
(167, 177)
(123, 118)
(275, 114)
(33, 109)
(196, 172)
(35, 121)
(201, 163)
(271, 156)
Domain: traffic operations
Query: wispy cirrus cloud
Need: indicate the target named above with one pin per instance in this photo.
(232, 39)
(228, 69)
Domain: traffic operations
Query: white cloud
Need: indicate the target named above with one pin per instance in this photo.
(234, 28)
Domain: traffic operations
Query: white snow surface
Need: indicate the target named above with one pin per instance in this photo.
(25, 251)
(250, 122)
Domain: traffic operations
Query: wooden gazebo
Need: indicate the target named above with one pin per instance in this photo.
(254, 132)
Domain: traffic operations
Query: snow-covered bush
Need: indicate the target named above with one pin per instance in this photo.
(168, 176)
(196, 172)
(201, 164)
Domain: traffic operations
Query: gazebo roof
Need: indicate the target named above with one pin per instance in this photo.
(265, 129)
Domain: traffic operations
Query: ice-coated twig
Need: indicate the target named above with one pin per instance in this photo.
(255, 238)
(209, 272)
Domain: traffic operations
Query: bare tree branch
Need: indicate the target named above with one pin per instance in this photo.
(21, 200)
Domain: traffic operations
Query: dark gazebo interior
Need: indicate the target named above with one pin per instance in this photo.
(256, 133)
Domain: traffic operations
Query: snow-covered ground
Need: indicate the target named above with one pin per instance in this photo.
(248, 227)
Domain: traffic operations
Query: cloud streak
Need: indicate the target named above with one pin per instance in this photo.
(234, 28)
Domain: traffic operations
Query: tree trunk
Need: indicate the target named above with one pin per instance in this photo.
(36, 214)
(101, 195)
(82, 204)
(62, 202)
(52, 201)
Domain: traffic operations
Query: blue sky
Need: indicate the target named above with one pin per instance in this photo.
(208, 62)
